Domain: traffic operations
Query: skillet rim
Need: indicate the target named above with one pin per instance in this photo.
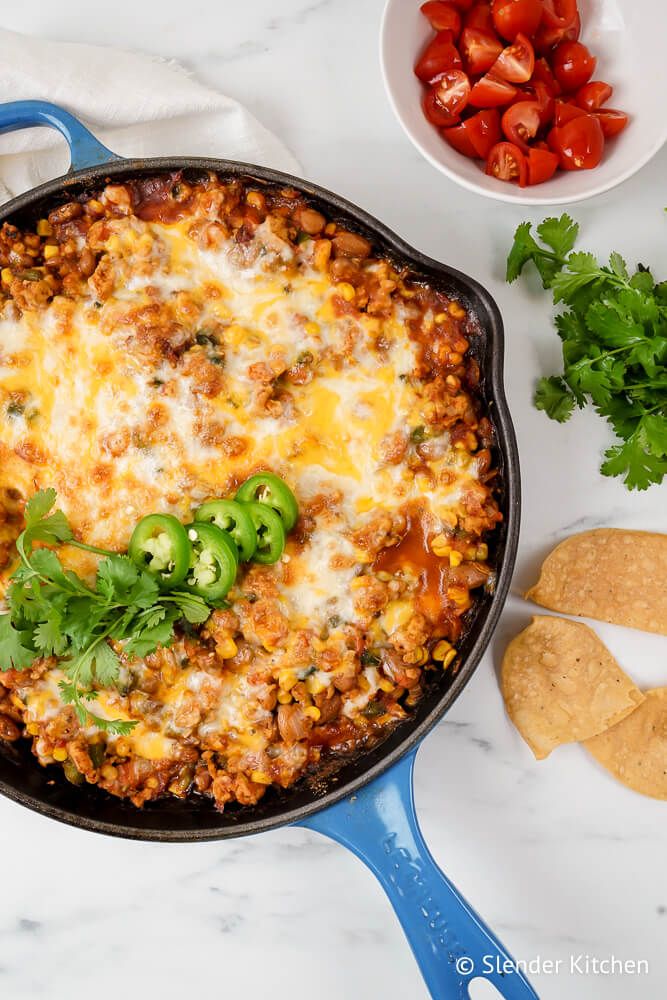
(493, 330)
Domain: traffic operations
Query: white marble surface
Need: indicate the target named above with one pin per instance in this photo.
(559, 858)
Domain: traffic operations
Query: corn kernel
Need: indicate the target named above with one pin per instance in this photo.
(287, 679)
(95, 206)
(451, 655)
(455, 558)
(312, 712)
(256, 200)
(259, 777)
(364, 683)
(482, 552)
(322, 255)
(7, 275)
(318, 645)
(109, 772)
(441, 317)
(33, 728)
(122, 748)
(60, 754)
(312, 328)
(226, 648)
(459, 595)
(346, 290)
(358, 582)
(16, 701)
(113, 244)
(51, 251)
(152, 782)
(455, 358)
(440, 545)
(330, 228)
(385, 685)
(456, 310)
(416, 656)
(441, 649)
(44, 228)
(284, 697)
(315, 685)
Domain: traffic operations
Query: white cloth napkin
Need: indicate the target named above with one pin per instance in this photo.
(137, 105)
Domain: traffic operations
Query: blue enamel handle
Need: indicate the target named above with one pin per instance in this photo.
(85, 149)
(451, 943)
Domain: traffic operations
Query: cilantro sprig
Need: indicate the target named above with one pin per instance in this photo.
(53, 612)
(614, 336)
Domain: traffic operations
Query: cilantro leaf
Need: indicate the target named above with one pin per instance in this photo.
(523, 249)
(635, 461)
(560, 234)
(48, 637)
(15, 651)
(553, 396)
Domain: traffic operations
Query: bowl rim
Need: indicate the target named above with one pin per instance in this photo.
(514, 195)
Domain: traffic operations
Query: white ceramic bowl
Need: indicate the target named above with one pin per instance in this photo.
(627, 36)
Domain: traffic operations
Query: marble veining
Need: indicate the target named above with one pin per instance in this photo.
(558, 858)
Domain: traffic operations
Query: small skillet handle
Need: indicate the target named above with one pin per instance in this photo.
(451, 943)
(85, 149)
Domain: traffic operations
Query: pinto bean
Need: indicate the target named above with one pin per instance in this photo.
(351, 245)
(65, 213)
(310, 221)
(9, 731)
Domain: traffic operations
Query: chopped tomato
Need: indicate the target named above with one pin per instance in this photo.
(484, 131)
(452, 91)
(514, 17)
(579, 144)
(565, 112)
(507, 163)
(560, 22)
(442, 16)
(537, 91)
(573, 65)
(543, 73)
(542, 165)
(479, 50)
(440, 54)
(611, 121)
(521, 123)
(463, 4)
(491, 92)
(593, 95)
(516, 62)
(459, 138)
(479, 16)
(435, 112)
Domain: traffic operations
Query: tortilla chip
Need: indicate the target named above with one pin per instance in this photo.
(613, 575)
(635, 750)
(562, 685)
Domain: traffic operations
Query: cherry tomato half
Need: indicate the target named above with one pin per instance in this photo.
(579, 144)
(573, 65)
(565, 112)
(516, 62)
(560, 22)
(440, 54)
(491, 92)
(452, 91)
(463, 4)
(543, 73)
(442, 16)
(479, 50)
(611, 121)
(459, 138)
(537, 91)
(484, 131)
(593, 95)
(435, 112)
(507, 163)
(514, 17)
(521, 123)
(542, 165)
(479, 17)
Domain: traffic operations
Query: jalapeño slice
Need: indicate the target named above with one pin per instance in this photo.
(270, 490)
(270, 532)
(232, 517)
(160, 546)
(213, 562)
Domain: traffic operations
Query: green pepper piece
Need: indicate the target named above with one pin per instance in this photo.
(232, 517)
(270, 532)
(160, 545)
(214, 561)
(265, 488)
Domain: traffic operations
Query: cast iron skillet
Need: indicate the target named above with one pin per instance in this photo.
(367, 805)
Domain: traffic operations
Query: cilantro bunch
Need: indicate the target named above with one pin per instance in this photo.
(53, 612)
(614, 334)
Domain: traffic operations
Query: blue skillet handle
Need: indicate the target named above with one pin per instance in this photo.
(85, 150)
(451, 943)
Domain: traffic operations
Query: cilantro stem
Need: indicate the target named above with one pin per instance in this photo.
(90, 548)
